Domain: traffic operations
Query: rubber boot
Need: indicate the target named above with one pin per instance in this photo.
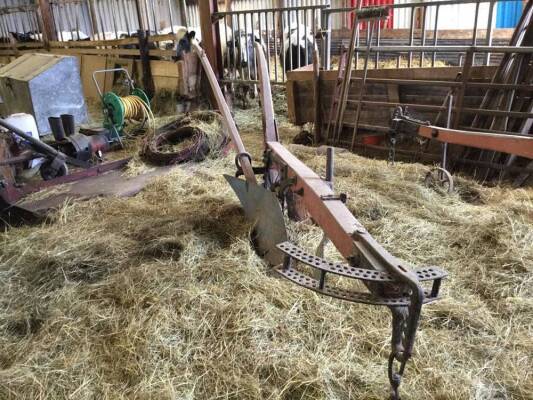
(69, 125)
(57, 128)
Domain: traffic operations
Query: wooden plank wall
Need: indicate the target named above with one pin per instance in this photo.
(300, 92)
(105, 54)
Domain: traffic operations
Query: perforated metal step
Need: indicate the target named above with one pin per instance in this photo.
(343, 294)
(423, 274)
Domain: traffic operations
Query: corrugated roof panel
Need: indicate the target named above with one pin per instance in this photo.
(508, 13)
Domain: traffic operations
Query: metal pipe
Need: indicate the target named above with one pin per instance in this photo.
(246, 38)
(305, 41)
(371, 25)
(435, 35)
(453, 49)
(274, 25)
(378, 37)
(448, 125)
(489, 31)
(281, 9)
(330, 165)
(474, 33)
(414, 5)
(411, 37)
(423, 39)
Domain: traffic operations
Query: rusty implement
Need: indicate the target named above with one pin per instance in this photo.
(520, 145)
(260, 205)
(389, 281)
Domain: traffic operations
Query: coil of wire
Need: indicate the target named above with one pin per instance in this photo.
(191, 137)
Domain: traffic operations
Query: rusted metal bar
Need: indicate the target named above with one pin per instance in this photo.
(343, 96)
(512, 144)
(435, 35)
(371, 27)
(430, 107)
(336, 94)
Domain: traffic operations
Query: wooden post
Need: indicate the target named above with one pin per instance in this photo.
(465, 76)
(210, 34)
(48, 22)
(148, 80)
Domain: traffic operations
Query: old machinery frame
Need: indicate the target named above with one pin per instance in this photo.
(390, 282)
(514, 144)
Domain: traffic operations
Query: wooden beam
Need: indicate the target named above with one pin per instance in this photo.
(110, 43)
(465, 76)
(148, 80)
(210, 34)
(48, 21)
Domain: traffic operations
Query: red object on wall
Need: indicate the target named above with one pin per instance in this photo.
(388, 24)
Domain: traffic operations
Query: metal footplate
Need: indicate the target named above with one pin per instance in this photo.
(294, 252)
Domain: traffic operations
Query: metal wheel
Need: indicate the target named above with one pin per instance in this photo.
(439, 177)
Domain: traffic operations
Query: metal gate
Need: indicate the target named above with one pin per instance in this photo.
(420, 43)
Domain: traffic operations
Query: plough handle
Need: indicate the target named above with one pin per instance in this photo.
(269, 122)
(244, 160)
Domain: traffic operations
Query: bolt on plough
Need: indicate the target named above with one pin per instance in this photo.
(287, 183)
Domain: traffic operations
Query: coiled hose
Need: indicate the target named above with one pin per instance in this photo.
(136, 109)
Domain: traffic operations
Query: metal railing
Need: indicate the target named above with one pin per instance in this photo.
(422, 44)
(423, 30)
(280, 30)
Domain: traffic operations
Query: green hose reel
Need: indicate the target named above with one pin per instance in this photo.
(113, 106)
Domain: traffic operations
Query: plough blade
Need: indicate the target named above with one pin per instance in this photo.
(262, 207)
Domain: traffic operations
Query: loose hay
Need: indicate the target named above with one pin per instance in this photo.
(161, 295)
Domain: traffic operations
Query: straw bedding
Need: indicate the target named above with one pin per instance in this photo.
(161, 295)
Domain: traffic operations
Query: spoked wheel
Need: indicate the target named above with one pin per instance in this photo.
(439, 177)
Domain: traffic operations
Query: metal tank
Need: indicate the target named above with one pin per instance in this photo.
(43, 85)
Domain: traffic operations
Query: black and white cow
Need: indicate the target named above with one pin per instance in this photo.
(239, 62)
(298, 45)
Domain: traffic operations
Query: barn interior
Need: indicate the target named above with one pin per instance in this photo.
(266, 199)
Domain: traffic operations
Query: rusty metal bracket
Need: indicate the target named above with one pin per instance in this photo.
(340, 197)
